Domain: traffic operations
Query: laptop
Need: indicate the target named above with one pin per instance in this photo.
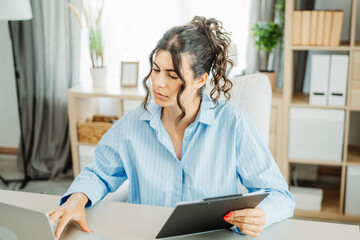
(207, 214)
(17, 223)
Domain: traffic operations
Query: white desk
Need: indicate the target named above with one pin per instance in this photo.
(132, 221)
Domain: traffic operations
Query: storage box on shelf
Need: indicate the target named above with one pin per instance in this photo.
(307, 198)
(334, 201)
(92, 131)
(317, 189)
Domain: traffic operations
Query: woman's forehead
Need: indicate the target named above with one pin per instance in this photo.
(163, 60)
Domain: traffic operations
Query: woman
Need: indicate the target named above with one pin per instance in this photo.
(185, 146)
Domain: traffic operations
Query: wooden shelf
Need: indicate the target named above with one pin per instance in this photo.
(333, 202)
(86, 143)
(277, 96)
(343, 47)
(303, 100)
(315, 162)
(108, 91)
(353, 157)
(354, 108)
(357, 45)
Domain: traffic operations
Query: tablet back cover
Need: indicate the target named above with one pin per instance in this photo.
(205, 215)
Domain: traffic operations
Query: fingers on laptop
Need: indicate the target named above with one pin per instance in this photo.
(61, 225)
(50, 212)
(55, 215)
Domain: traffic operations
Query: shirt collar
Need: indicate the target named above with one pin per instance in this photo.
(206, 114)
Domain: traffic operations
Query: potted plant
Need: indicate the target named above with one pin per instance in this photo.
(267, 36)
(96, 44)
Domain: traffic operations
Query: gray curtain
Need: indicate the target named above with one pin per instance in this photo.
(47, 50)
(261, 10)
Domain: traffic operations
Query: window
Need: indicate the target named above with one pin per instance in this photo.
(132, 29)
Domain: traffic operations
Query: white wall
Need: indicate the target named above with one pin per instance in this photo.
(9, 120)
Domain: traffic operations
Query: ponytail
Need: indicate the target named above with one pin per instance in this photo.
(219, 42)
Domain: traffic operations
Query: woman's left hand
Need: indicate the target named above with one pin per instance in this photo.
(250, 221)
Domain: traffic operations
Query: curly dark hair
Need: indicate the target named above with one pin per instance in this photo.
(207, 43)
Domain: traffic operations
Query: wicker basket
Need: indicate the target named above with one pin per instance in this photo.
(92, 131)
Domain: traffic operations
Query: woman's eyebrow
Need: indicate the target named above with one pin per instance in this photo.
(168, 70)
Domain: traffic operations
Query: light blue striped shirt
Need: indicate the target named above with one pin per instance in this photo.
(221, 147)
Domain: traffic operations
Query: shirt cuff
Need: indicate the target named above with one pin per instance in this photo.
(92, 195)
(236, 229)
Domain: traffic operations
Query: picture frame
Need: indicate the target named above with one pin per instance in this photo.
(129, 74)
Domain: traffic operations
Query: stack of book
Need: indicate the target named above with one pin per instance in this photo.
(307, 198)
(317, 28)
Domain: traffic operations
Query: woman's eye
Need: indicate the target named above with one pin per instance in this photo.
(156, 70)
(173, 77)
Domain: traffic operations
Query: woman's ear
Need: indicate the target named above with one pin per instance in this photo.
(202, 80)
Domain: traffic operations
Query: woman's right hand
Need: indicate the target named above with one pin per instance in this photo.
(73, 208)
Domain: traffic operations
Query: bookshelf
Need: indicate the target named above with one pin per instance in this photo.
(333, 204)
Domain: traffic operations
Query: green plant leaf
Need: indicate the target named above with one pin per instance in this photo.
(266, 35)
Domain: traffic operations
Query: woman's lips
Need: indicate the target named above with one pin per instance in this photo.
(159, 95)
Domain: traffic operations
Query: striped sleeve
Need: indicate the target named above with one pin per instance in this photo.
(258, 170)
(105, 174)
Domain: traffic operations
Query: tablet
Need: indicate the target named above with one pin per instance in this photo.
(208, 214)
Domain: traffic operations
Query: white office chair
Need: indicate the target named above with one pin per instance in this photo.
(252, 93)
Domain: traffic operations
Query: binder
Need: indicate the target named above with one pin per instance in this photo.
(296, 28)
(313, 27)
(305, 27)
(327, 28)
(336, 27)
(319, 78)
(339, 65)
(320, 28)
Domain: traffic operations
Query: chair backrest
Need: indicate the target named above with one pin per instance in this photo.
(252, 93)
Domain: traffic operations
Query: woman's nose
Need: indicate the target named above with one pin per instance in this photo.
(161, 81)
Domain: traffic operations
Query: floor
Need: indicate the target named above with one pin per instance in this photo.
(9, 171)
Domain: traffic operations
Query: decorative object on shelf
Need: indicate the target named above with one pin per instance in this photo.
(92, 131)
(96, 43)
(129, 74)
(317, 27)
(99, 76)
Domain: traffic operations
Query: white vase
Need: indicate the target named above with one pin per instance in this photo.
(99, 76)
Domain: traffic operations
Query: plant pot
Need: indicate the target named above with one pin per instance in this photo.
(272, 78)
(99, 76)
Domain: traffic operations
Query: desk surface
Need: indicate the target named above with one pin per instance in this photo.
(132, 221)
